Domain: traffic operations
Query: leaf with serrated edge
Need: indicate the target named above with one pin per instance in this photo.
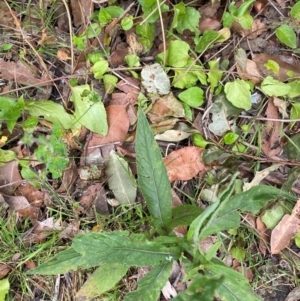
(151, 284)
(103, 279)
(119, 247)
(120, 179)
(152, 174)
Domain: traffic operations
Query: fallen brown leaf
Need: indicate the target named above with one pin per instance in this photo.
(286, 230)
(251, 72)
(118, 125)
(185, 163)
(284, 66)
(164, 107)
(4, 270)
(256, 29)
(19, 72)
(24, 209)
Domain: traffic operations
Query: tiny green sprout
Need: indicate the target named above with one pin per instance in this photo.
(245, 127)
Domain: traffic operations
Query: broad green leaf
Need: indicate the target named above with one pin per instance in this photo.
(273, 215)
(193, 97)
(52, 112)
(184, 215)
(114, 11)
(227, 19)
(120, 179)
(100, 68)
(132, 60)
(295, 11)
(6, 156)
(273, 87)
(61, 263)
(4, 288)
(152, 174)
(110, 82)
(102, 280)
(227, 215)
(201, 288)
(10, 110)
(207, 40)
(189, 19)
(295, 89)
(88, 113)
(119, 247)
(178, 53)
(234, 287)
(149, 7)
(230, 138)
(246, 21)
(184, 79)
(127, 23)
(151, 284)
(239, 94)
(286, 35)
(146, 32)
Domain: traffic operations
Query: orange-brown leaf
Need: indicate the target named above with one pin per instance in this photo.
(185, 163)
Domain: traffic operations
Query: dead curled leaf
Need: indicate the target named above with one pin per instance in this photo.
(185, 163)
(18, 72)
(286, 230)
(251, 72)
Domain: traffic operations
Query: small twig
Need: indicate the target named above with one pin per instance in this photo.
(56, 288)
(71, 33)
(269, 119)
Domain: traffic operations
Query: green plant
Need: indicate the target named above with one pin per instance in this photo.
(117, 251)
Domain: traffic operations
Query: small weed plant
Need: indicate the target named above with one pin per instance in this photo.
(113, 253)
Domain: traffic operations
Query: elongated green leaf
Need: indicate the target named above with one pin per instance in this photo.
(89, 113)
(151, 285)
(152, 174)
(227, 214)
(196, 225)
(103, 279)
(119, 247)
(184, 215)
(59, 264)
(4, 288)
(52, 112)
(120, 179)
(235, 287)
